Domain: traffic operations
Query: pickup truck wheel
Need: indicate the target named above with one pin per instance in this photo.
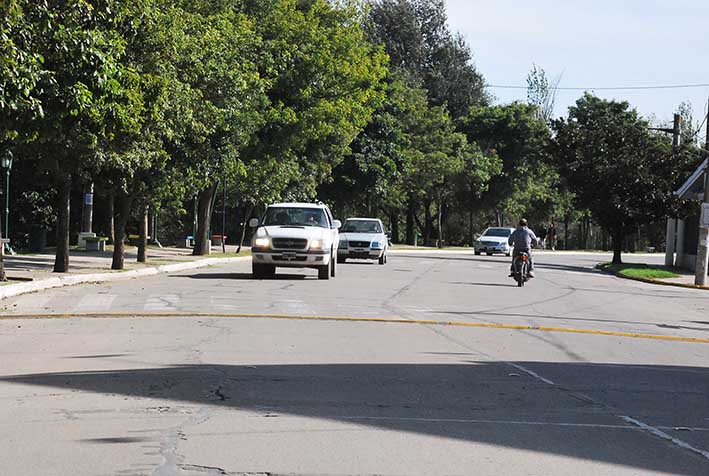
(324, 271)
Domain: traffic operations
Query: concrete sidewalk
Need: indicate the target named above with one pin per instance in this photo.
(33, 272)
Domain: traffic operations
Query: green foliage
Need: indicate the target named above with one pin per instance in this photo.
(416, 36)
(617, 168)
(516, 135)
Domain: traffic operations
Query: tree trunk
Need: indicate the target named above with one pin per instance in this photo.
(471, 231)
(111, 222)
(394, 231)
(247, 215)
(61, 259)
(143, 239)
(440, 222)
(410, 237)
(617, 237)
(122, 212)
(498, 217)
(205, 201)
(428, 222)
(151, 227)
(566, 232)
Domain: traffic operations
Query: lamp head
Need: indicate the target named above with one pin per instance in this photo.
(6, 160)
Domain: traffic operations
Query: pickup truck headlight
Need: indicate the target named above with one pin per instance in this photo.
(376, 245)
(316, 245)
(263, 242)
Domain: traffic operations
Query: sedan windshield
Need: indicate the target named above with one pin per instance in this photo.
(292, 216)
(498, 232)
(361, 226)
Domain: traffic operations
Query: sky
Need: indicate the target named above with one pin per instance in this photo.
(592, 44)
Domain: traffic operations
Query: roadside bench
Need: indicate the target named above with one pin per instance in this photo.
(95, 243)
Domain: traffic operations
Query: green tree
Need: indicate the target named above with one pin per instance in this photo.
(542, 93)
(369, 179)
(618, 169)
(516, 135)
(419, 42)
(73, 95)
(324, 83)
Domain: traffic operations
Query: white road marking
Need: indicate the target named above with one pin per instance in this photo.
(661, 434)
(632, 426)
(644, 426)
(95, 302)
(39, 301)
(530, 372)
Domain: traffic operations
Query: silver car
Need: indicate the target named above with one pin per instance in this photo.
(363, 238)
(494, 240)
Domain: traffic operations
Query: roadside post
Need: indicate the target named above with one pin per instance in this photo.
(6, 164)
(700, 275)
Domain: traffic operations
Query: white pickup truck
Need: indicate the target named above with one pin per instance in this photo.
(295, 235)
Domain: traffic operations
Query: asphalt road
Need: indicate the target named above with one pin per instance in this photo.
(179, 391)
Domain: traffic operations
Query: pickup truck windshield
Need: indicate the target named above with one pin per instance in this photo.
(291, 216)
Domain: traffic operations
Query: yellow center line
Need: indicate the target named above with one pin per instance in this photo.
(389, 320)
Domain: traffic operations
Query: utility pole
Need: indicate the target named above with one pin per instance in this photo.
(671, 222)
(700, 277)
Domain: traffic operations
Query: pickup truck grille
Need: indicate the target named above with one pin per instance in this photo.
(290, 243)
(359, 244)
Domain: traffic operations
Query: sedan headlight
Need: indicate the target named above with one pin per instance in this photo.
(316, 245)
(263, 242)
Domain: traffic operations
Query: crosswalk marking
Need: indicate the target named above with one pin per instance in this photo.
(95, 302)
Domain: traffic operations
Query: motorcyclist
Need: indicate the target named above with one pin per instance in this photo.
(522, 240)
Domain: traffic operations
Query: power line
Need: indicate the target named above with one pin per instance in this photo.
(613, 88)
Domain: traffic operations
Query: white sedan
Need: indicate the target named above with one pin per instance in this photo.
(363, 238)
(494, 240)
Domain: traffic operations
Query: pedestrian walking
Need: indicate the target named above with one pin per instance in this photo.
(552, 236)
(542, 233)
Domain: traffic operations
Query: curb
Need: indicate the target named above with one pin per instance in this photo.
(11, 290)
(600, 267)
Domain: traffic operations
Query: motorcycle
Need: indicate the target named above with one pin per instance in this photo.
(520, 268)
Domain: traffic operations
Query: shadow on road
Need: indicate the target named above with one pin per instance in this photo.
(489, 403)
(496, 285)
(243, 276)
(538, 262)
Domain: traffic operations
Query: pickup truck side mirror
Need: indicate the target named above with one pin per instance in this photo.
(254, 222)
(337, 224)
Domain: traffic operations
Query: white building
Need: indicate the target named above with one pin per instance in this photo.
(683, 233)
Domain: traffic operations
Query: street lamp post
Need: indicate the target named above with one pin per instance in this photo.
(6, 164)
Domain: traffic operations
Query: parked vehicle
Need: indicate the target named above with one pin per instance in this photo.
(363, 238)
(520, 268)
(494, 240)
(295, 235)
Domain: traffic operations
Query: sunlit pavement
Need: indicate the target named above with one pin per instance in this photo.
(174, 394)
